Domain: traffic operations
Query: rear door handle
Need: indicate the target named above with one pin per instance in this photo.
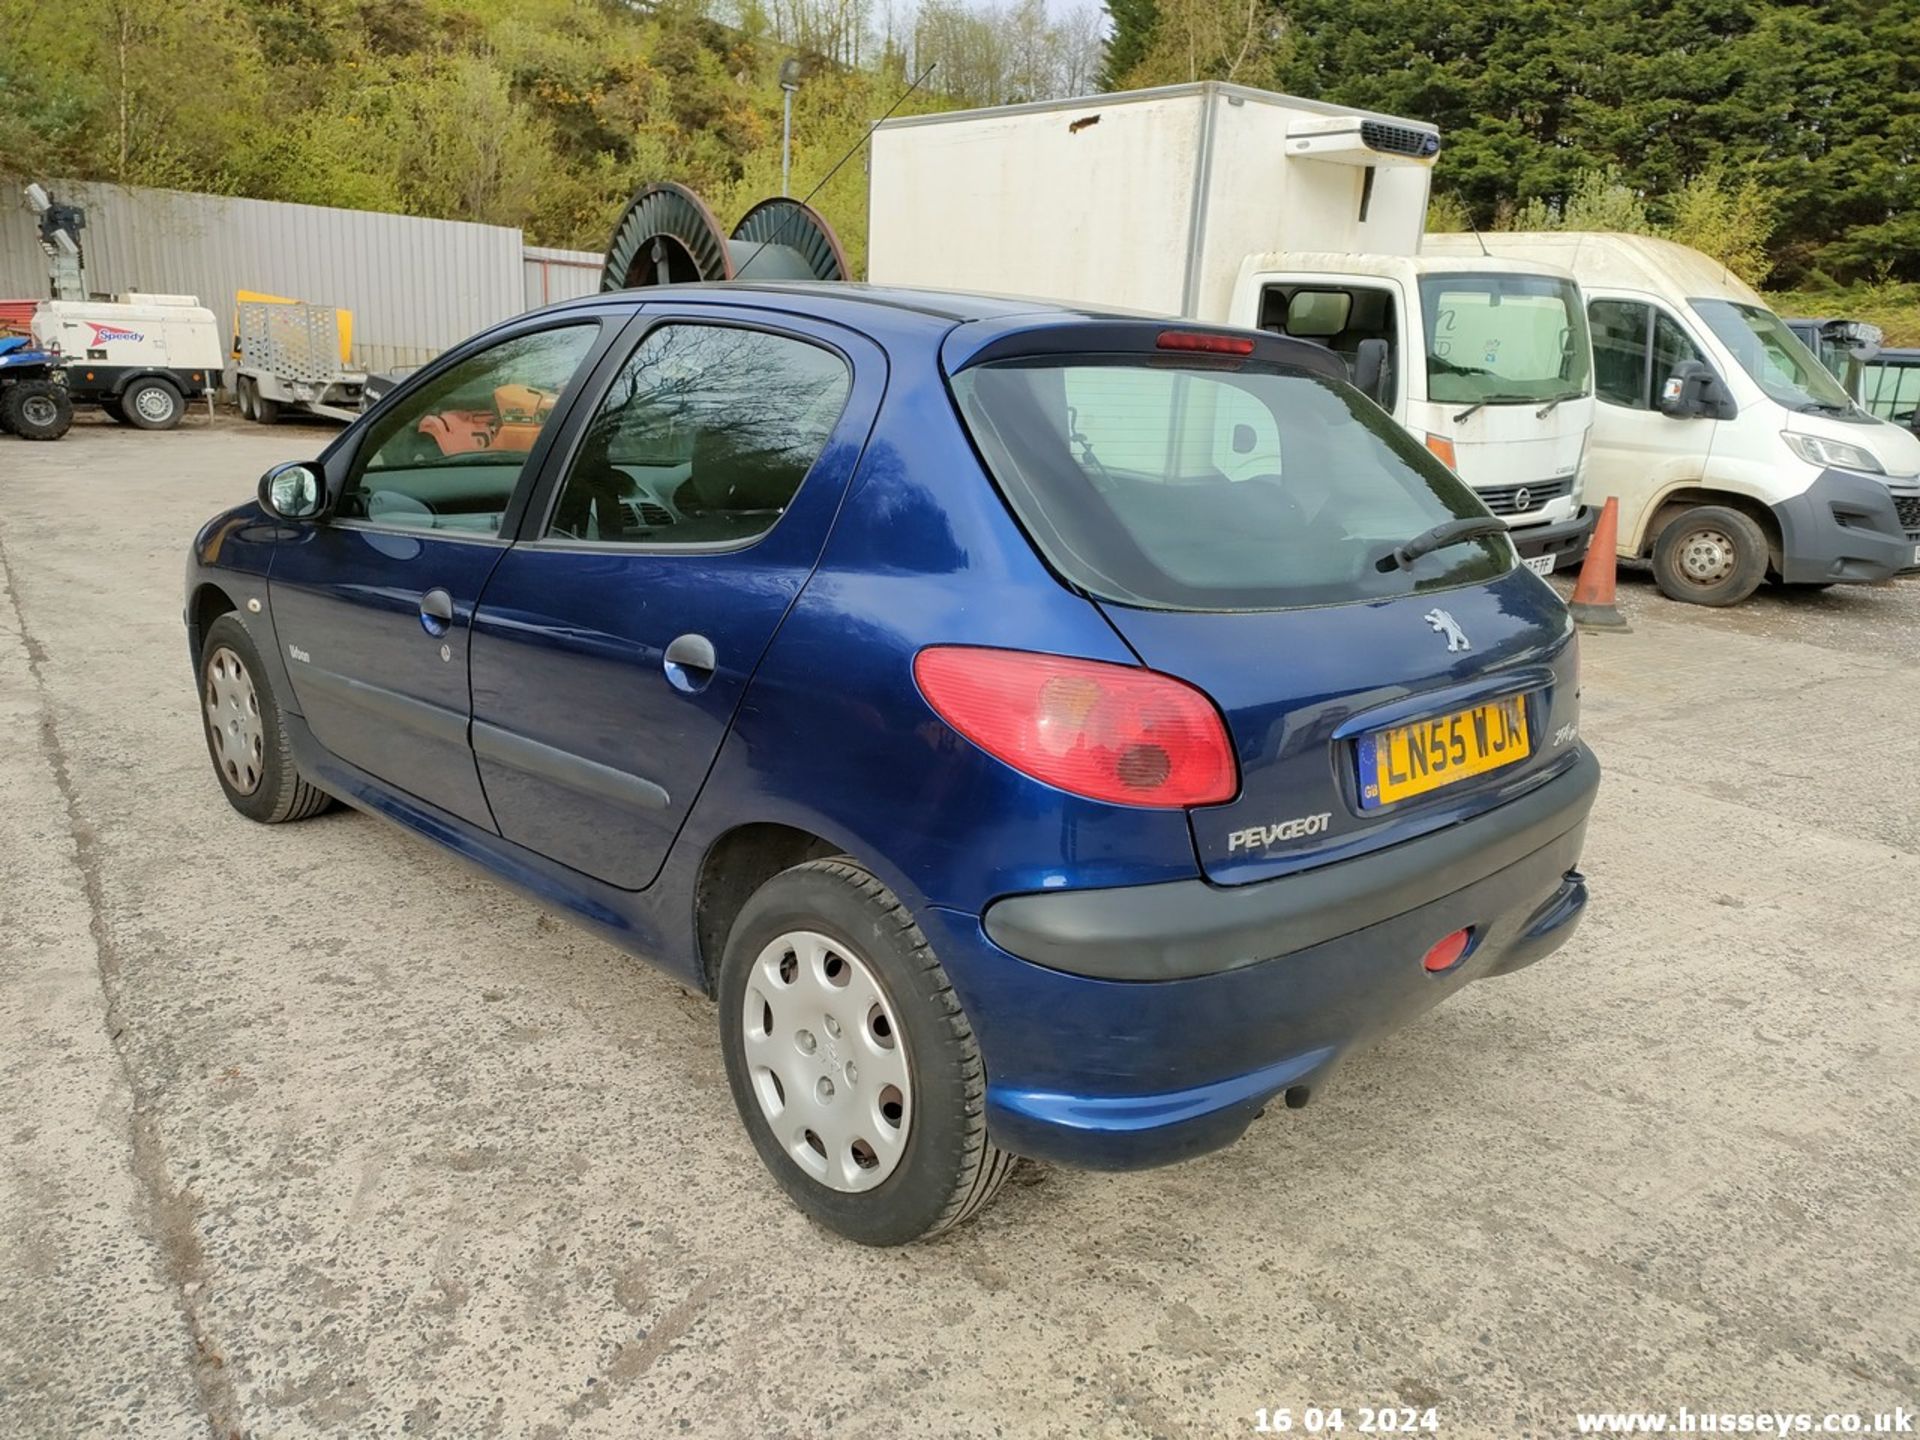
(436, 612)
(689, 663)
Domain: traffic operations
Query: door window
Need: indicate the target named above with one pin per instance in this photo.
(1336, 318)
(1620, 351)
(1635, 349)
(448, 456)
(1892, 390)
(703, 439)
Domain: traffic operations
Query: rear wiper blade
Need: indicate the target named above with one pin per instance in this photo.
(1454, 532)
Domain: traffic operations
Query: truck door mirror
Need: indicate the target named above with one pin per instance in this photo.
(1372, 372)
(1694, 392)
(294, 491)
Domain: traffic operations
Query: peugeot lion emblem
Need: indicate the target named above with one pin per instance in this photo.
(1445, 624)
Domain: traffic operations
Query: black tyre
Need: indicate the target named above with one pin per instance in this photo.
(152, 404)
(38, 409)
(1710, 555)
(266, 411)
(851, 1061)
(114, 412)
(246, 737)
(244, 395)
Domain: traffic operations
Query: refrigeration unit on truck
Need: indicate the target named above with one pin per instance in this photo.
(141, 358)
(1234, 206)
(1734, 453)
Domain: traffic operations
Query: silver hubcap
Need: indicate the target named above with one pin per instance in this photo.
(1707, 557)
(827, 1060)
(153, 403)
(233, 720)
(39, 411)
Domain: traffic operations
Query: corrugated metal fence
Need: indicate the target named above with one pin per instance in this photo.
(414, 286)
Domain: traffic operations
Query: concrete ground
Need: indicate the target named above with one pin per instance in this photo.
(313, 1131)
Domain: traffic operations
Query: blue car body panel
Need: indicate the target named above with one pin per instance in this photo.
(813, 721)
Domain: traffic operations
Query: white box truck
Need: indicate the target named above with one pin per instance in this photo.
(1234, 206)
(1734, 453)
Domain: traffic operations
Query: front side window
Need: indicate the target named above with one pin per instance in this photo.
(1892, 390)
(703, 439)
(1503, 339)
(1190, 487)
(1635, 349)
(449, 456)
(1774, 358)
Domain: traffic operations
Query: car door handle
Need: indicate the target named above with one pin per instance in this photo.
(436, 612)
(689, 663)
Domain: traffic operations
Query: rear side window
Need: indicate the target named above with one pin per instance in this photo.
(703, 439)
(1187, 486)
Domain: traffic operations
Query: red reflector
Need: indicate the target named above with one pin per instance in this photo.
(1446, 953)
(1109, 732)
(1210, 344)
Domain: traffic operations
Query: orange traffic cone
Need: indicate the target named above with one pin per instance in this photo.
(1592, 603)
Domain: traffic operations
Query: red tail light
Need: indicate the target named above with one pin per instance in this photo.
(1109, 732)
(1207, 344)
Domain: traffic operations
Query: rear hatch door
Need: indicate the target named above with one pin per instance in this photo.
(1233, 506)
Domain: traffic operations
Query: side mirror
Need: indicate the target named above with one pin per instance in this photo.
(1373, 371)
(1694, 392)
(296, 490)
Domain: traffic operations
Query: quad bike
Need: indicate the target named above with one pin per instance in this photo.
(34, 403)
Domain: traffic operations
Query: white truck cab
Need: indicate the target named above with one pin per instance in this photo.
(1732, 450)
(1487, 363)
(1238, 207)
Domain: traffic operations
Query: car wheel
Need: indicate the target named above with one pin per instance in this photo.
(851, 1061)
(113, 411)
(38, 409)
(1710, 555)
(152, 405)
(246, 737)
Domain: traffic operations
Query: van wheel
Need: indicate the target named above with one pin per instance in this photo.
(246, 737)
(1710, 555)
(851, 1061)
(113, 411)
(152, 404)
(38, 409)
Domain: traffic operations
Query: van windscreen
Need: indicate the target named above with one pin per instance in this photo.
(1199, 485)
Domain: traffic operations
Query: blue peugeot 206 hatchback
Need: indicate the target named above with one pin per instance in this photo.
(1043, 732)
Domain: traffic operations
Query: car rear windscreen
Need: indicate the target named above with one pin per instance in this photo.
(1194, 485)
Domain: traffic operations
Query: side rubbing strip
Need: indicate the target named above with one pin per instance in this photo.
(589, 777)
(419, 716)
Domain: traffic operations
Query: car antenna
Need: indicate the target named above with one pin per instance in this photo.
(787, 219)
(1477, 236)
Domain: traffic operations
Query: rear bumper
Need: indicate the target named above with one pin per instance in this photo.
(1271, 984)
(1842, 528)
(1565, 540)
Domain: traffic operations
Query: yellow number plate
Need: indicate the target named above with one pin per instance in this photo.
(1413, 759)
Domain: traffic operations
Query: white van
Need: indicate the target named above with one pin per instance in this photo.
(1239, 207)
(1734, 453)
